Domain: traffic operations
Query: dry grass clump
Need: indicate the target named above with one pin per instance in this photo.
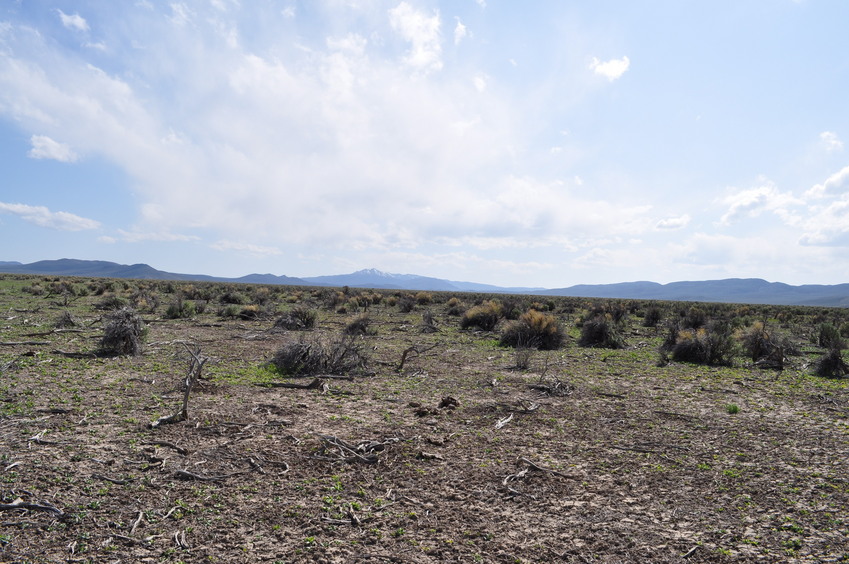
(484, 316)
(123, 333)
(534, 329)
(340, 356)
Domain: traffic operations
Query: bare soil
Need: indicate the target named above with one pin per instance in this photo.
(587, 456)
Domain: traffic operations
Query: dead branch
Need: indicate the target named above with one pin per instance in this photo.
(502, 422)
(412, 350)
(167, 444)
(316, 384)
(193, 374)
(186, 475)
(21, 504)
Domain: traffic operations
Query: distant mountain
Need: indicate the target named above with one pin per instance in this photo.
(105, 269)
(732, 290)
(373, 278)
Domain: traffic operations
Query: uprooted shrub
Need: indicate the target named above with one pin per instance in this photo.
(534, 329)
(340, 356)
(601, 331)
(712, 344)
(123, 333)
(832, 365)
(484, 316)
(299, 318)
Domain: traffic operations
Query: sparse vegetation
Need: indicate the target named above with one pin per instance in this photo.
(415, 439)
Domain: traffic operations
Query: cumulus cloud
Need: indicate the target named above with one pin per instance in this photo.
(673, 222)
(44, 147)
(835, 184)
(460, 32)
(257, 250)
(422, 32)
(43, 217)
(73, 21)
(754, 201)
(612, 69)
(831, 141)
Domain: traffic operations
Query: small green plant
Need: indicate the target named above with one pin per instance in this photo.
(732, 408)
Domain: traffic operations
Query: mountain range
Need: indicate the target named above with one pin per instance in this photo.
(733, 290)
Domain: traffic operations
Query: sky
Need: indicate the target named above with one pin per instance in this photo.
(540, 143)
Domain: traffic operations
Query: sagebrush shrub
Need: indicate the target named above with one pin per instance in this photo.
(534, 329)
(484, 316)
(712, 345)
(299, 318)
(832, 365)
(602, 332)
(828, 337)
(358, 326)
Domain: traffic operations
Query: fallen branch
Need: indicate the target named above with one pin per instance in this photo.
(24, 343)
(186, 475)
(502, 422)
(21, 504)
(167, 444)
(316, 384)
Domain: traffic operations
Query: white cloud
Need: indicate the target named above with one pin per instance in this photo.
(828, 225)
(831, 141)
(180, 14)
(460, 32)
(480, 82)
(43, 217)
(754, 201)
(422, 32)
(673, 222)
(612, 69)
(73, 21)
(163, 236)
(44, 147)
(256, 250)
(481, 3)
(834, 184)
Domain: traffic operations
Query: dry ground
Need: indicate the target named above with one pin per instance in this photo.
(587, 456)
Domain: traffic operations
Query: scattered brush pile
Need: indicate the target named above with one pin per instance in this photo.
(340, 356)
(123, 333)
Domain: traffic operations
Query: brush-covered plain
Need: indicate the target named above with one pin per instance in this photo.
(350, 425)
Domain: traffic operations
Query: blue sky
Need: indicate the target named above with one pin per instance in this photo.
(544, 143)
